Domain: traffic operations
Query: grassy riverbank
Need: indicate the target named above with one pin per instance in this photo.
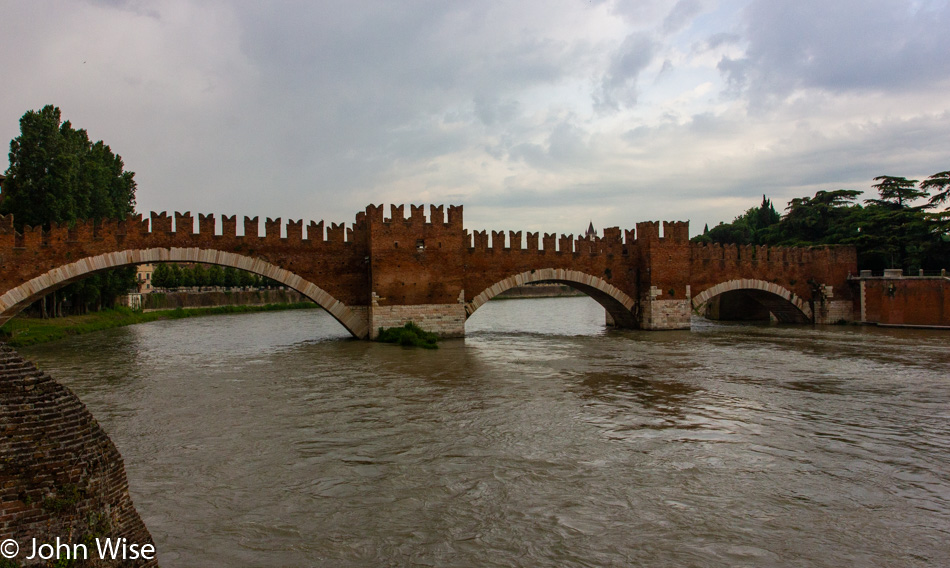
(20, 332)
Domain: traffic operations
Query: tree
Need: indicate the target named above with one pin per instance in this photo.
(896, 191)
(39, 183)
(177, 276)
(939, 182)
(896, 230)
(827, 218)
(215, 275)
(57, 175)
(749, 228)
(161, 276)
(201, 276)
(188, 277)
(231, 277)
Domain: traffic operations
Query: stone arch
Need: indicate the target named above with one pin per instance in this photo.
(618, 304)
(783, 303)
(16, 299)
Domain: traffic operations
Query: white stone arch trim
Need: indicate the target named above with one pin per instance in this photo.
(752, 284)
(18, 298)
(551, 274)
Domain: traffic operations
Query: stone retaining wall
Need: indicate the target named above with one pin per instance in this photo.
(207, 299)
(540, 291)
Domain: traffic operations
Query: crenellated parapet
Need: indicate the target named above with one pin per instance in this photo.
(676, 231)
(374, 215)
(754, 255)
(648, 231)
(161, 227)
(531, 242)
(415, 232)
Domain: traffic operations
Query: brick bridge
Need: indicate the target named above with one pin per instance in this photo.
(381, 272)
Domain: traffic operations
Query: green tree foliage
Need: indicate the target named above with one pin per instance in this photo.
(176, 275)
(57, 174)
(890, 231)
(409, 335)
(171, 276)
(939, 185)
(188, 278)
(162, 277)
(215, 276)
(827, 218)
(231, 278)
(896, 192)
(752, 227)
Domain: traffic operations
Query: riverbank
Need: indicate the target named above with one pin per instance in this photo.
(21, 331)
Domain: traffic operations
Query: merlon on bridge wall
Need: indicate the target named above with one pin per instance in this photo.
(382, 270)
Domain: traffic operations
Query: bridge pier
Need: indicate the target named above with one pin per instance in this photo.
(657, 315)
(834, 311)
(445, 320)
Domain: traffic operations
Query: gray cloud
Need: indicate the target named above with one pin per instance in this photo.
(491, 110)
(847, 45)
(722, 38)
(681, 14)
(619, 88)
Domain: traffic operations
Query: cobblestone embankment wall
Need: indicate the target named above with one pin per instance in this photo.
(61, 477)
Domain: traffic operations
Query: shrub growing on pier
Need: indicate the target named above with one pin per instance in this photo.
(409, 335)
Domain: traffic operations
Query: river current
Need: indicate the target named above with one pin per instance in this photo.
(541, 439)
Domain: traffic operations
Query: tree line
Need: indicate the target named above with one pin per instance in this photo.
(171, 276)
(902, 228)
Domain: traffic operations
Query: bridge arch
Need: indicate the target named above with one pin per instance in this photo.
(781, 302)
(18, 298)
(618, 304)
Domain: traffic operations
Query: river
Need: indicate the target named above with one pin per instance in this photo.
(541, 439)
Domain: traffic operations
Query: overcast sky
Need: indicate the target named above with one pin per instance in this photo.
(534, 114)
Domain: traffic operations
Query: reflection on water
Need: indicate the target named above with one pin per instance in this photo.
(542, 439)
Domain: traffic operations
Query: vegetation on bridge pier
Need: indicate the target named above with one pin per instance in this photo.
(409, 335)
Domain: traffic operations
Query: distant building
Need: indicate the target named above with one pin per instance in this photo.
(144, 277)
(591, 234)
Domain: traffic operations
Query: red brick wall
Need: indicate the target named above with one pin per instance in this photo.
(907, 301)
(414, 261)
(335, 265)
(507, 255)
(796, 269)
